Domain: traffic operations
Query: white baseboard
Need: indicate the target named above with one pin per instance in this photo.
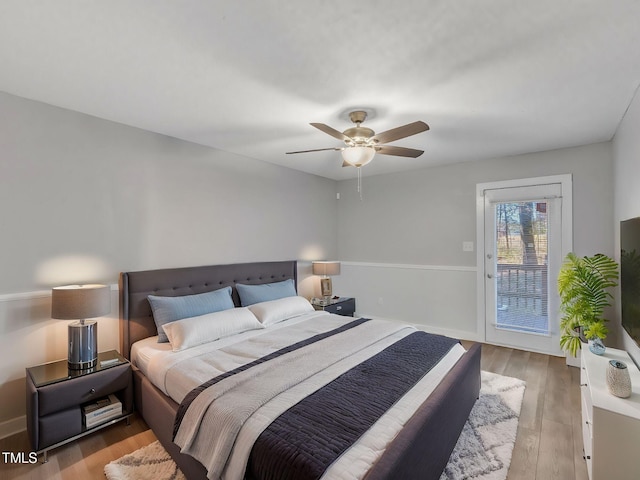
(447, 332)
(460, 335)
(13, 426)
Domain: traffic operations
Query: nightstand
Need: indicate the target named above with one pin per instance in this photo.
(55, 396)
(345, 306)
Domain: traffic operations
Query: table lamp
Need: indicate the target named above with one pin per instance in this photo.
(79, 302)
(326, 269)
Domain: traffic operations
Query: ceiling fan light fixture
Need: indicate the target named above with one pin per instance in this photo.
(358, 156)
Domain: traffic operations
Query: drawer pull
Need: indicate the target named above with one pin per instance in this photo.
(92, 391)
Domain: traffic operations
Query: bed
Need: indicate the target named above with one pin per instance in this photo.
(420, 450)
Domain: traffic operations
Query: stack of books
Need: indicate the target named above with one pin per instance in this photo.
(101, 411)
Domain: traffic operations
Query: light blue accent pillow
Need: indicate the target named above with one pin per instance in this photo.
(250, 294)
(170, 309)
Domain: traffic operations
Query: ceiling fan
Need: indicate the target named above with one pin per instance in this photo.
(362, 143)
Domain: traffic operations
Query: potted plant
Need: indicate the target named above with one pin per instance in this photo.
(583, 284)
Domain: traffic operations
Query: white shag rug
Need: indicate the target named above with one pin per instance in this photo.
(147, 463)
(483, 451)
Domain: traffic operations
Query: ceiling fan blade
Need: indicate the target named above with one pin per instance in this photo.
(331, 131)
(315, 150)
(401, 132)
(398, 151)
(346, 164)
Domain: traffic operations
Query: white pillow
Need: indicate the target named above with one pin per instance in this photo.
(275, 311)
(193, 331)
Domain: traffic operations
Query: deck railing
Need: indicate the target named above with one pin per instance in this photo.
(522, 287)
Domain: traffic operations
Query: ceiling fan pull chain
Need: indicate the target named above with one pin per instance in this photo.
(359, 181)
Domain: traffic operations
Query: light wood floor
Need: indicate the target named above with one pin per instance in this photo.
(548, 445)
(549, 440)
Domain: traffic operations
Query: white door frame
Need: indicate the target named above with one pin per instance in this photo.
(566, 182)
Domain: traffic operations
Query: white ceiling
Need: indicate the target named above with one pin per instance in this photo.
(491, 78)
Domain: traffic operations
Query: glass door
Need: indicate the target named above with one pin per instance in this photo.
(523, 252)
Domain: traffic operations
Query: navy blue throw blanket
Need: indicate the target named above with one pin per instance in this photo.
(306, 439)
(191, 396)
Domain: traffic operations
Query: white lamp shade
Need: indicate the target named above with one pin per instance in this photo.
(326, 268)
(73, 302)
(358, 156)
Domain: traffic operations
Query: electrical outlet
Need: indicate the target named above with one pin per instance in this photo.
(467, 246)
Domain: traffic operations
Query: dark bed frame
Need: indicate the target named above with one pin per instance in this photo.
(420, 451)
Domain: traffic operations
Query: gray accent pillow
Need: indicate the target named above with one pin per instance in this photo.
(250, 294)
(170, 309)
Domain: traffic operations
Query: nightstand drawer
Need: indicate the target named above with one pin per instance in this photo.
(60, 396)
(346, 308)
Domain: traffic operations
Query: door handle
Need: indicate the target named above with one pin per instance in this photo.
(489, 275)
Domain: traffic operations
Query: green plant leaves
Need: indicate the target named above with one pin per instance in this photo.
(582, 285)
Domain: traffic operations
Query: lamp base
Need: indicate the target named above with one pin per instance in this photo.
(83, 345)
(325, 287)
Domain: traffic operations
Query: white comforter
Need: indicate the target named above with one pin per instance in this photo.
(177, 373)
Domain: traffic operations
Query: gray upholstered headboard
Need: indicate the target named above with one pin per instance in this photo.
(136, 319)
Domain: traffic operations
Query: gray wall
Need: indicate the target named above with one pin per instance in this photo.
(82, 199)
(626, 154)
(423, 216)
(410, 226)
(74, 185)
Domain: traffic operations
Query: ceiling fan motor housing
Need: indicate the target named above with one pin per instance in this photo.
(358, 136)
